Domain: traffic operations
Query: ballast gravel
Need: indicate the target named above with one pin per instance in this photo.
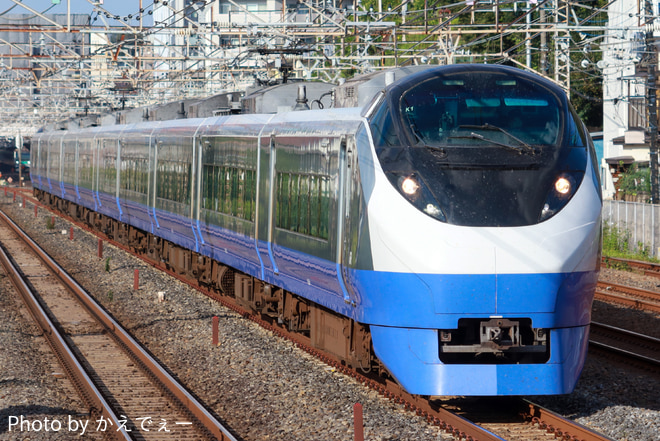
(263, 387)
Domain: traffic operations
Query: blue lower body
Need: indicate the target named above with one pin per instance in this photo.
(411, 356)
(404, 310)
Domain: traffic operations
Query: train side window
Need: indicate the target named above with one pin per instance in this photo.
(173, 178)
(134, 174)
(303, 203)
(85, 163)
(108, 172)
(69, 163)
(229, 181)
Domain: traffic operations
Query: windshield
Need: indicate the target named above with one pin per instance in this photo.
(480, 145)
(477, 107)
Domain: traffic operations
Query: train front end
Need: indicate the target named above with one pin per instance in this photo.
(483, 206)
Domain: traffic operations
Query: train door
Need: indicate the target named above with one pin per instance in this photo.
(61, 165)
(263, 230)
(306, 209)
(347, 216)
(193, 213)
(53, 163)
(200, 144)
(272, 174)
(76, 171)
(48, 162)
(153, 184)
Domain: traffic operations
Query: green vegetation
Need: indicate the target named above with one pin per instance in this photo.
(616, 243)
(107, 265)
(50, 223)
(635, 182)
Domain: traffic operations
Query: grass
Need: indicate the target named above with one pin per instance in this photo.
(617, 244)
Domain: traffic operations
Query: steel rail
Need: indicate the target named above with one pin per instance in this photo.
(652, 344)
(98, 406)
(652, 302)
(187, 400)
(561, 427)
(648, 268)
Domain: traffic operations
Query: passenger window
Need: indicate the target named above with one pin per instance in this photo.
(303, 203)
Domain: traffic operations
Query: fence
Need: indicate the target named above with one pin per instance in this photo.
(638, 220)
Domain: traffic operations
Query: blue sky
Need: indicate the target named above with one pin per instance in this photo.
(122, 8)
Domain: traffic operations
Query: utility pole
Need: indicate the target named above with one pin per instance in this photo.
(651, 87)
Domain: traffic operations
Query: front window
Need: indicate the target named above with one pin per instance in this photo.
(462, 109)
(480, 145)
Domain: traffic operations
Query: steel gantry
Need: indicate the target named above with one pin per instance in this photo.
(57, 66)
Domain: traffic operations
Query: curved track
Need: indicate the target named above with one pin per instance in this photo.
(128, 393)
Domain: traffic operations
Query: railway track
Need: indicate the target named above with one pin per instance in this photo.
(646, 268)
(129, 395)
(637, 298)
(641, 350)
(517, 419)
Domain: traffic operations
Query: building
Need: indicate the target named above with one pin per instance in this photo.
(625, 105)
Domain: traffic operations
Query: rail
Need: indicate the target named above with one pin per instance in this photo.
(89, 392)
(641, 349)
(637, 298)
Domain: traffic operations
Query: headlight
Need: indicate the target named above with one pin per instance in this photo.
(409, 186)
(416, 192)
(561, 192)
(563, 185)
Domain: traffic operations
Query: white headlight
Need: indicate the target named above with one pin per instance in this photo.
(409, 186)
(563, 186)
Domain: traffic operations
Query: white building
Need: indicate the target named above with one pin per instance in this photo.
(232, 42)
(624, 92)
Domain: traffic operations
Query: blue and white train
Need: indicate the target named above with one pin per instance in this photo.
(447, 233)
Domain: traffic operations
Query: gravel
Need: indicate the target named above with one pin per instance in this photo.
(266, 388)
(619, 401)
(31, 382)
(263, 387)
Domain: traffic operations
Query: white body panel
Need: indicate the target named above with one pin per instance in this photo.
(411, 241)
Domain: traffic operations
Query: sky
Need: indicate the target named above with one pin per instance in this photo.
(122, 8)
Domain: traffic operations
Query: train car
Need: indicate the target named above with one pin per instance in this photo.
(446, 234)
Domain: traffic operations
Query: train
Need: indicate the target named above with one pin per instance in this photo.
(444, 231)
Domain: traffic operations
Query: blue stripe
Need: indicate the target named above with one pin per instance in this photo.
(438, 301)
